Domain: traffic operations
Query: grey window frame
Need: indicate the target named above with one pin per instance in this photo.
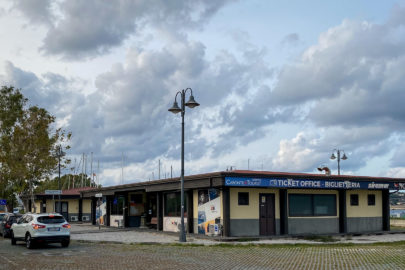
(243, 201)
(373, 200)
(354, 202)
(312, 206)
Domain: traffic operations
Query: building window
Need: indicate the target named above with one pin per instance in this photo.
(354, 199)
(173, 204)
(117, 205)
(304, 205)
(243, 198)
(371, 199)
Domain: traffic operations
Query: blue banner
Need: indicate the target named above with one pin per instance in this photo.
(3, 202)
(309, 183)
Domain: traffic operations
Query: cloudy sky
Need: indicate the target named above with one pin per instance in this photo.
(280, 85)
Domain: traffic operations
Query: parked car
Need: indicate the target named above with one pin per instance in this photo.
(41, 228)
(6, 223)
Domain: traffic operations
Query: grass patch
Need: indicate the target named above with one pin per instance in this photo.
(321, 238)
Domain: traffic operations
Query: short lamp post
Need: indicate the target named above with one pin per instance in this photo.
(338, 152)
(191, 103)
(59, 154)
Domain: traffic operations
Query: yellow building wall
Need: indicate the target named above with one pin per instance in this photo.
(73, 206)
(50, 206)
(316, 191)
(195, 204)
(250, 211)
(38, 205)
(86, 206)
(363, 209)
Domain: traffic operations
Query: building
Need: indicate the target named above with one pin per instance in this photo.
(73, 206)
(251, 203)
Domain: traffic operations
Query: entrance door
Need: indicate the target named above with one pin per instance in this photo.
(267, 215)
(64, 211)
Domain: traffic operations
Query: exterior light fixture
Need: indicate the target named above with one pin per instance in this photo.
(191, 103)
(338, 152)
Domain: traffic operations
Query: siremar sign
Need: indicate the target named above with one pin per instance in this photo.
(309, 183)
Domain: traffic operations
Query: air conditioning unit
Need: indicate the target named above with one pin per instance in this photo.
(85, 218)
(74, 218)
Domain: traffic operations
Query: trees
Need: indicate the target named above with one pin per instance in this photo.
(68, 181)
(28, 144)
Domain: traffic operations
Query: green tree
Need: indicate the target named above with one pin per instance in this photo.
(30, 144)
(12, 104)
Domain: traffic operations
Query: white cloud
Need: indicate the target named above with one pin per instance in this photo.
(298, 154)
(397, 172)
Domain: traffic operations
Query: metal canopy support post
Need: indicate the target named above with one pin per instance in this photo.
(108, 210)
(80, 209)
(227, 209)
(283, 212)
(190, 215)
(160, 212)
(386, 209)
(125, 210)
(342, 211)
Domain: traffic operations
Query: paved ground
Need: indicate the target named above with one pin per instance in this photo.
(92, 233)
(200, 253)
(137, 256)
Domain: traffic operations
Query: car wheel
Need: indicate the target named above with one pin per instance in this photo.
(13, 241)
(65, 243)
(28, 241)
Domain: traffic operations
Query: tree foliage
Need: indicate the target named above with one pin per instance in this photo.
(29, 144)
(67, 181)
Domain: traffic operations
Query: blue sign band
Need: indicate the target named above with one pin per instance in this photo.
(308, 183)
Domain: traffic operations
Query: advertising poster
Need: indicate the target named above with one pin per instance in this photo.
(172, 224)
(209, 211)
(101, 211)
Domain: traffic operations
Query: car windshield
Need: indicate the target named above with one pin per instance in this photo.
(51, 219)
(13, 218)
(1, 217)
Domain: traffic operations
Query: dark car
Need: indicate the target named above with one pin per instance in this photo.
(6, 223)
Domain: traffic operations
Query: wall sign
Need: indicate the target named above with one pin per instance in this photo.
(309, 183)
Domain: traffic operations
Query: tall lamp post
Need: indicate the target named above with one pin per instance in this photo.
(59, 154)
(191, 103)
(338, 152)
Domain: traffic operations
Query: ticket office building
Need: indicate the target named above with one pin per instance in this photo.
(250, 203)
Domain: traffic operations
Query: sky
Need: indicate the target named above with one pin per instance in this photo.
(281, 84)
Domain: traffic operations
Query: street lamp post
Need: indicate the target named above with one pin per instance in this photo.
(338, 152)
(60, 154)
(191, 103)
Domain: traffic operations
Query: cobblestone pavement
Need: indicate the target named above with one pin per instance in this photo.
(88, 232)
(92, 255)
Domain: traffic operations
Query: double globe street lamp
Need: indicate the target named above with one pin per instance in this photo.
(338, 152)
(191, 103)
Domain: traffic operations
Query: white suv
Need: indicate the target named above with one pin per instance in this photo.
(41, 228)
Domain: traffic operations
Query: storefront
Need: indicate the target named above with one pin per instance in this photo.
(71, 205)
(253, 203)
